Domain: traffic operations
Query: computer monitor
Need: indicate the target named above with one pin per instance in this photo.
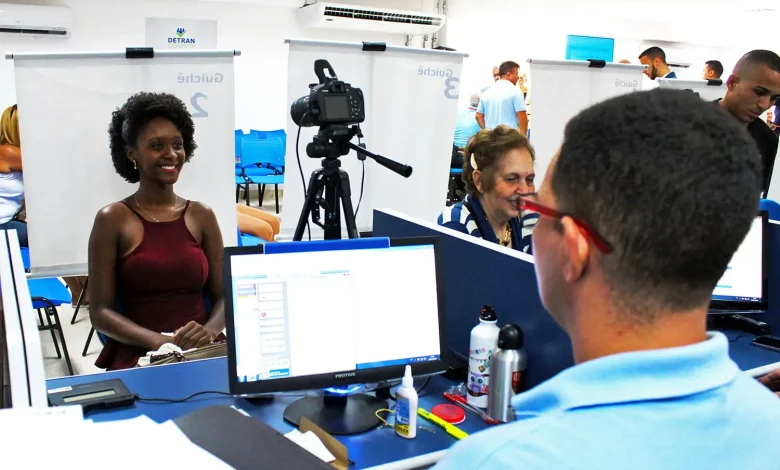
(24, 382)
(311, 320)
(744, 285)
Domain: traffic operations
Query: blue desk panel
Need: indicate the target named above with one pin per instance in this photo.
(475, 276)
(180, 380)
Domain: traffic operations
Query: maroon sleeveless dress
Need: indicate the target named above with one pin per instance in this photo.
(159, 286)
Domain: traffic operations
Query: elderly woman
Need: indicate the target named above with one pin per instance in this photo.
(498, 168)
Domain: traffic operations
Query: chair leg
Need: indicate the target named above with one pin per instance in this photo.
(51, 330)
(78, 303)
(276, 195)
(58, 327)
(246, 194)
(261, 194)
(40, 317)
(238, 191)
(89, 340)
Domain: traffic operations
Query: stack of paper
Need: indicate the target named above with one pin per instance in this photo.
(309, 441)
(71, 442)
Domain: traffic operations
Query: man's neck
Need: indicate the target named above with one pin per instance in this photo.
(616, 333)
(724, 105)
(663, 71)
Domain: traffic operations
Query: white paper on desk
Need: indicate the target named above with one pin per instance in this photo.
(309, 441)
(129, 444)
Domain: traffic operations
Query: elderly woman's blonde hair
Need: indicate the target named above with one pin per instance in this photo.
(9, 127)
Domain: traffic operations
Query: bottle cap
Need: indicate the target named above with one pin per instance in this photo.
(488, 314)
(408, 380)
(510, 337)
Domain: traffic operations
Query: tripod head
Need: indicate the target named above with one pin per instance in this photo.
(331, 142)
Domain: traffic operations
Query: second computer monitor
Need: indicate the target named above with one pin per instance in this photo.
(744, 285)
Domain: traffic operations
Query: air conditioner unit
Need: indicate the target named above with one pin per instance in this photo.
(362, 18)
(35, 20)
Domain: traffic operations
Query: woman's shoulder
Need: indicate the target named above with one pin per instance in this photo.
(200, 210)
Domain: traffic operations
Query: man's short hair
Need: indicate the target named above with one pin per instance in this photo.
(507, 67)
(756, 58)
(653, 53)
(716, 67)
(474, 100)
(672, 182)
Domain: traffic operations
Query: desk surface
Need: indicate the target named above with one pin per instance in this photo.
(180, 380)
(366, 450)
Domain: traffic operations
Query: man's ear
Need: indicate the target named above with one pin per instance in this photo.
(577, 250)
(732, 82)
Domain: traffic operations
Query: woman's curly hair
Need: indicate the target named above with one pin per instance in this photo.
(128, 121)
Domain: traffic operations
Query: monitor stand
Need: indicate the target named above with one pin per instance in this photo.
(337, 414)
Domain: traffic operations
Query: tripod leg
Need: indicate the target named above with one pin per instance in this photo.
(309, 204)
(346, 200)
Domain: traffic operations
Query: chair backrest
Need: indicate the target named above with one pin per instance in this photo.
(262, 151)
(275, 134)
(772, 207)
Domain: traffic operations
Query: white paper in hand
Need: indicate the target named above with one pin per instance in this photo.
(312, 443)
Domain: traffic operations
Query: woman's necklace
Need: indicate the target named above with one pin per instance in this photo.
(173, 209)
(507, 235)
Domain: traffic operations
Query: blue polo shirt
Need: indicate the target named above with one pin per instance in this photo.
(501, 103)
(676, 408)
(466, 126)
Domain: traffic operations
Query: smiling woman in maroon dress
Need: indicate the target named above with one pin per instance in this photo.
(153, 252)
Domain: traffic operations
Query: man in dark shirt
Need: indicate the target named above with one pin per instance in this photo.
(752, 89)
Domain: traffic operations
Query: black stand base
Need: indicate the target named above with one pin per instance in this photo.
(337, 415)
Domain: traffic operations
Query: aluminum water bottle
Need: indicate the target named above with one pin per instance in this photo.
(508, 365)
(483, 341)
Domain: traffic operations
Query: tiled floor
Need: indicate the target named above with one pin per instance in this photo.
(76, 335)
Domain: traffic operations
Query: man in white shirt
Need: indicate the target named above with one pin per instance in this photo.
(655, 59)
(504, 103)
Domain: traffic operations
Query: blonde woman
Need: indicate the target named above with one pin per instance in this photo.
(12, 211)
(11, 181)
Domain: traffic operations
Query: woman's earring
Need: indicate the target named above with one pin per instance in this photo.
(135, 166)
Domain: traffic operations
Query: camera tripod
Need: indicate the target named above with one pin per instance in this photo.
(329, 144)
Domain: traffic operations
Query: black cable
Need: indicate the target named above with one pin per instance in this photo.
(300, 168)
(180, 400)
(738, 336)
(427, 381)
(362, 182)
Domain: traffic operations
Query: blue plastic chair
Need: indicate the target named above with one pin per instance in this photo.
(772, 207)
(267, 153)
(277, 134)
(46, 295)
(241, 172)
(248, 240)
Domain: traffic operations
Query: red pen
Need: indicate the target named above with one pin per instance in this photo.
(463, 403)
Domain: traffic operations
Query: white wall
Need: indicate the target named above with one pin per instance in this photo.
(257, 29)
(497, 30)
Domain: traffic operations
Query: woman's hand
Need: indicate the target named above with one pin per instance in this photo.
(193, 335)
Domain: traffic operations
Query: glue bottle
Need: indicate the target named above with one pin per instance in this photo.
(406, 407)
(484, 338)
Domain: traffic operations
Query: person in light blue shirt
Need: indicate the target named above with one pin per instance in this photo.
(504, 103)
(465, 126)
(642, 208)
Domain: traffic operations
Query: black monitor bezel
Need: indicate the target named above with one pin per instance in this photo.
(322, 381)
(738, 305)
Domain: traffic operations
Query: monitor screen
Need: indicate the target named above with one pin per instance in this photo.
(333, 315)
(743, 281)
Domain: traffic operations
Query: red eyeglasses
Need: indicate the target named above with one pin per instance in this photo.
(603, 245)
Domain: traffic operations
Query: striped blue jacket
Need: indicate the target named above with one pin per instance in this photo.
(458, 217)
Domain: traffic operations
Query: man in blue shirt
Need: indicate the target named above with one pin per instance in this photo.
(642, 208)
(655, 59)
(465, 126)
(504, 103)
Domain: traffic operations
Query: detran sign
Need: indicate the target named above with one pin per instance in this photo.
(180, 40)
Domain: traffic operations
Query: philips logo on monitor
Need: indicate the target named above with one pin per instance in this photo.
(179, 41)
(345, 375)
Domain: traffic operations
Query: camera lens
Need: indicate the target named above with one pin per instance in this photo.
(299, 111)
